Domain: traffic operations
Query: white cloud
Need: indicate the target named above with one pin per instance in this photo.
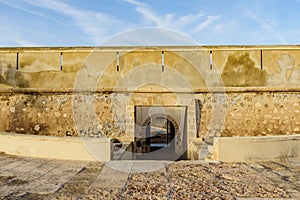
(148, 14)
(170, 21)
(25, 43)
(209, 21)
(23, 8)
(189, 19)
(21, 5)
(99, 26)
(91, 23)
(267, 25)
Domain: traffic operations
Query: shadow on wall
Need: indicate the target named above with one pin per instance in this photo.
(7, 77)
(240, 71)
(10, 76)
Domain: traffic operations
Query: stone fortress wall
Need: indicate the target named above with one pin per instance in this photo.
(87, 91)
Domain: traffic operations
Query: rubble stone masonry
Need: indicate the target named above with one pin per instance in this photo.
(242, 90)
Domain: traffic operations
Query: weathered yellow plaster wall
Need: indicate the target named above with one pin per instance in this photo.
(244, 91)
(238, 66)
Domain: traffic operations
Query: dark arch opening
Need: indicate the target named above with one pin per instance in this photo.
(164, 116)
(160, 133)
(158, 142)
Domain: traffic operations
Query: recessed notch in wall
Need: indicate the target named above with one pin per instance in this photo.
(17, 61)
(210, 60)
(61, 61)
(261, 59)
(118, 61)
(162, 61)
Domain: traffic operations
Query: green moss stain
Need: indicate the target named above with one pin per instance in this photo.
(240, 71)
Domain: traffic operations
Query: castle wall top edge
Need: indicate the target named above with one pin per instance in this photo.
(151, 48)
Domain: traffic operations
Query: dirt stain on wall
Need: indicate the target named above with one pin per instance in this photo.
(240, 71)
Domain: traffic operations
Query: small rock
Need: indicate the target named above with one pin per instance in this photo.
(57, 114)
(12, 109)
(91, 135)
(37, 127)
(68, 133)
(257, 104)
(99, 127)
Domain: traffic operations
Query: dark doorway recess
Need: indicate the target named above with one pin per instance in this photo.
(159, 133)
(159, 140)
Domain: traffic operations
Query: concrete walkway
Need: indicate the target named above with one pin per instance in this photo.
(32, 178)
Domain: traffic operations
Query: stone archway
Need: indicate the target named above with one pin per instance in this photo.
(160, 132)
(168, 117)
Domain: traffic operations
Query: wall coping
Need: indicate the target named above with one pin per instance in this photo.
(291, 89)
(73, 49)
(268, 138)
(66, 148)
(254, 148)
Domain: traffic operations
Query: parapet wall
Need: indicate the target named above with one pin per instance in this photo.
(241, 149)
(238, 66)
(243, 91)
(66, 148)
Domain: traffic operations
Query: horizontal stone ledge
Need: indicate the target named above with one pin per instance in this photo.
(129, 90)
(269, 138)
(190, 48)
(65, 148)
(246, 89)
(254, 148)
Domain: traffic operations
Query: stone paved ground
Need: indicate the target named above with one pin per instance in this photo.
(31, 178)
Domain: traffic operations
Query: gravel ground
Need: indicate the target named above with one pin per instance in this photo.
(186, 180)
(27, 178)
(195, 181)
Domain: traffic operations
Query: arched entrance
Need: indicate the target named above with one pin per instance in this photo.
(159, 133)
(158, 139)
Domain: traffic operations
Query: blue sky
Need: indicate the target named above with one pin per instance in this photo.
(93, 22)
